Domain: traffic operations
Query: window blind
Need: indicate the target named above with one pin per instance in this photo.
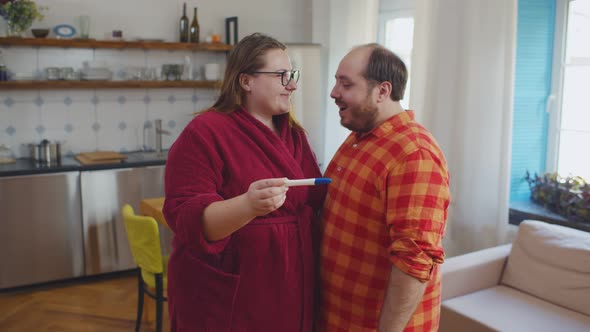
(532, 86)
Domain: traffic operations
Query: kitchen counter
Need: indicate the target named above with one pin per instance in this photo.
(73, 212)
(68, 164)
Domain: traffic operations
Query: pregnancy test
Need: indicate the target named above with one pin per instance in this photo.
(307, 182)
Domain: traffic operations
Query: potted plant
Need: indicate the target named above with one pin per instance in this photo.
(567, 196)
(19, 15)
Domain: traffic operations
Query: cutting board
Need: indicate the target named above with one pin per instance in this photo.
(100, 157)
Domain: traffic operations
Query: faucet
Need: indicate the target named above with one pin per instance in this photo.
(159, 133)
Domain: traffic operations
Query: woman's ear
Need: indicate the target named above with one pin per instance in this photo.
(245, 82)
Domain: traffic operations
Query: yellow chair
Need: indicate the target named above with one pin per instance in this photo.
(144, 240)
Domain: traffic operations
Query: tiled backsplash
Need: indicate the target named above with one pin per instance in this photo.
(88, 120)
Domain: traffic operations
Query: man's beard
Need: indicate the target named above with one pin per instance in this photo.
(362, 117)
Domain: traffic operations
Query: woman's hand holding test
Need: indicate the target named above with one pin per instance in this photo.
(267, 195)
(222, 218)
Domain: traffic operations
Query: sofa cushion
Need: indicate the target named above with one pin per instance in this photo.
(551, 262)
(473, 271)
(503, 308)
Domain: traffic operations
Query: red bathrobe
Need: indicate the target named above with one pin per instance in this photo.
(260, 278)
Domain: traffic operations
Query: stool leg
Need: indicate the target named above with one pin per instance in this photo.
(139, 300)
(159, 302)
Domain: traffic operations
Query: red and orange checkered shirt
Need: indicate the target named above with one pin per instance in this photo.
(387, 205)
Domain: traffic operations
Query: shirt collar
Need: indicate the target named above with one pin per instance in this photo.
(389, 125)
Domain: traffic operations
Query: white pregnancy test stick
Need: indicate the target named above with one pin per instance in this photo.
(308, 182)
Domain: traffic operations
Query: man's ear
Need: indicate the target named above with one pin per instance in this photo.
(383, 91)
(245, 82)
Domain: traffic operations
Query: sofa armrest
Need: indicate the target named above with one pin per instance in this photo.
(474, 271)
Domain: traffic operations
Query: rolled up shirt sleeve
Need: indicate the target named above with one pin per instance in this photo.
(417, 201)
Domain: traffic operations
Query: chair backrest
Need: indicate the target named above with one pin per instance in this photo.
(144, 240)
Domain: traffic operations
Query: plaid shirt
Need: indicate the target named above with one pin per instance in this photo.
(387, 205)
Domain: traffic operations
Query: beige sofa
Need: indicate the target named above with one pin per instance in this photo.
(539, 283)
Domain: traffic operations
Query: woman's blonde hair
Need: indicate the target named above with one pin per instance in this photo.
(246, 57)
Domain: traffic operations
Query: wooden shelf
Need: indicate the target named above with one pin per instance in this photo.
(61, 85)
(113, 44)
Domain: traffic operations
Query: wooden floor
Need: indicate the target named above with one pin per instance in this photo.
(88, 305)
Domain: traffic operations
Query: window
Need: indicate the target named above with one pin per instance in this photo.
(396, 32)
(551, 118)
(571, 128)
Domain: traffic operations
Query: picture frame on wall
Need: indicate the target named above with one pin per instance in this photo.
(231, 30)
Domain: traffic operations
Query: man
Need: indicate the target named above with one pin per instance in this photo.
(386, 210)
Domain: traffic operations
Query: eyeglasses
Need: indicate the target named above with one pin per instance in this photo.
(286, 75)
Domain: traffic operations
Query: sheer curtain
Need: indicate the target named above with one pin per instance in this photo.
(462, 91)
(339, 25)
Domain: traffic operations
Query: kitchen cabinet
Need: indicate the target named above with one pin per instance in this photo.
(152, 185)
(152, 182)
(104, 192)
(64, 221)
(41, 232)
(109, 44)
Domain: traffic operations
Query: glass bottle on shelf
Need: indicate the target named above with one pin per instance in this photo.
(184, 28)
(3, 69)
(194, 29)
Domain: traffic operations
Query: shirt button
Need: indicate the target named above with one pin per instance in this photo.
(339, 168)
(354, 145)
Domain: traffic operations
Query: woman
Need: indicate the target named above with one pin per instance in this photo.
(243, 256)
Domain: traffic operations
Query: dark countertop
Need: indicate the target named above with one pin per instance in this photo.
(69, 164)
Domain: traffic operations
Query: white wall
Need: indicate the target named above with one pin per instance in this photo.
(28, 116)
(307, 99)
(391, 5)
(285, 20)
(118, 119)
(339, 25)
